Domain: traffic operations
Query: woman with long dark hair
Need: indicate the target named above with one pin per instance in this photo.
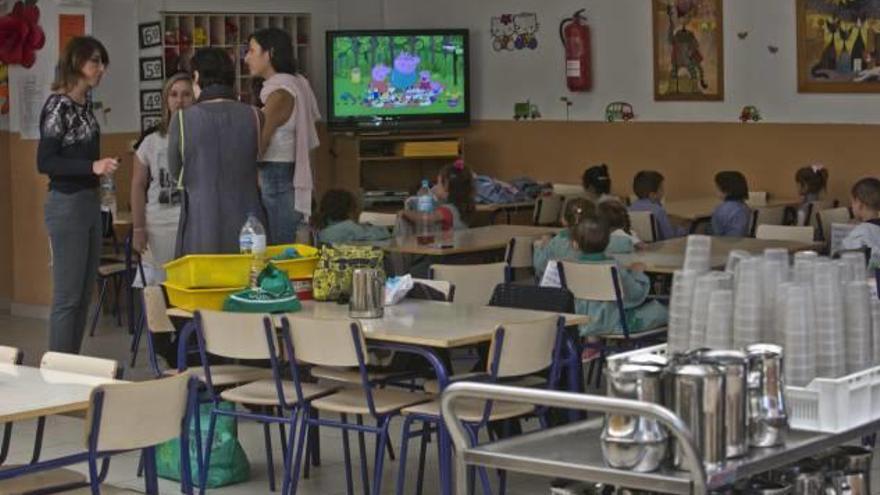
(69, 153)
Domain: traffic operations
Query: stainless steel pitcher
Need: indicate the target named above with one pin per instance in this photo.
(367, 294)
(735, 367)
(634, 442)
(768, 420)
(698, 399)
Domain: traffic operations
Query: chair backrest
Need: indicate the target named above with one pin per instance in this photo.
(526, 347)
(767, 215)
(548, 208)
(129, 416)
(155, 310)
(590, 281)
(10, 355)
(824, 219)
(432, 290)
(814, 207)
(554, 299)
(643, 225)
(325, 342)
(381, 219)
(474, 284)
(84, 365)
(234, 335)
(785, 233)
(519, 252)
(757, 198)
(568, 189)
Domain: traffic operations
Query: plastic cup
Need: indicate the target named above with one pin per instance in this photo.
(719, 328)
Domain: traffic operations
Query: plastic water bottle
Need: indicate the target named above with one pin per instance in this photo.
(252, 240)
(108, 194)
(425, 209)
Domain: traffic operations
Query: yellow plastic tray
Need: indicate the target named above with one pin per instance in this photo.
(194, 299)
(217, 271)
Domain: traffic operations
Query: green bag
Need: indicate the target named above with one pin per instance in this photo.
(275, 295)
(332, 280)
(229, 463)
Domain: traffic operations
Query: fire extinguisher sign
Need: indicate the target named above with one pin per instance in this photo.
(572, 68)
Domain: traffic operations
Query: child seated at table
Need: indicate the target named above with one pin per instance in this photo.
(623, 239)
(733, 217)
(811, 183)
(560, 246)
(648, 187)
(866, 209)
(336, 221)
(597, 184)
(591, 236)
(454, 192)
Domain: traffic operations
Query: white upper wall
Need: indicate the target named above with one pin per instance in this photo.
(622, 60)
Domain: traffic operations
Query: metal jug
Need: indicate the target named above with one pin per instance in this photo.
(768, 420)
(806, 478)
(855, 460)
(698, 399)
(634, 442)
(367, 294)
(735, 367)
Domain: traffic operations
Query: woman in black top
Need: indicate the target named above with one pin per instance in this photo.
(69, 153)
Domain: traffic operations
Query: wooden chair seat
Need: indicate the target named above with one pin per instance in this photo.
(354, 401)
(263, 393)
(349, 376)
(223, 375)
(471, 410)
(531, 381)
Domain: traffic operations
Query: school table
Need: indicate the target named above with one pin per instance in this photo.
(692, 210)
(466, 241)
(664, 257)
(493, 209)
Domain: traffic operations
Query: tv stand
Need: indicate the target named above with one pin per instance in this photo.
(391, 161)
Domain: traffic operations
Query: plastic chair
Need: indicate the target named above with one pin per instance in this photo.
(116, 424)
(252, 336)
(824, 219)
(381, 219)
(757, 198)
(773, 215)
(473, 283)
(568, 189)
(341, 343)
(643, 225)
(517, 350)
(8, 355)
(785, 233)
(814, 207)
(548, 208)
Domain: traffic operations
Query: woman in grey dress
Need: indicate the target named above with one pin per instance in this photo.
(214, 156)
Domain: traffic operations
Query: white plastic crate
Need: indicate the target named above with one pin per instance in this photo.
(827, 404)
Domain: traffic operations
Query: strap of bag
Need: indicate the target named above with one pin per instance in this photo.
(182, 150)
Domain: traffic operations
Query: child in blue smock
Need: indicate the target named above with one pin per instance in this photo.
(733, 217)
(811, 183)
(591, 236)
(560, 246)
(648, 187)
(335, 219)
(623, 240)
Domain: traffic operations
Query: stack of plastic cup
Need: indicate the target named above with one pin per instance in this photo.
(748, 304)
(875, 329)
(774, 272)
(857, 311)
(829, 334)
(705, 285)
(780, 309)
(804, 263)
(857, 265)
(733, 259)
(698, 253)
(781, 256)
(719, 330)
(847, 274)
(799, 350)
(680, 304)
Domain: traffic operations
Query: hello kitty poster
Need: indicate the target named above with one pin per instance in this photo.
(514, 31)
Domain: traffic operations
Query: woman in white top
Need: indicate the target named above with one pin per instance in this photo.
(270, 57)
(155, 199)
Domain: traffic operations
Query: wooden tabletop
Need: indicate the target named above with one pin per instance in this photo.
(31, 392)
(668, 256)
(696, 209)
(427, 323)
(475, 240)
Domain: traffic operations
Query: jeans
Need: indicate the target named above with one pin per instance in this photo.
(74, 225)
(276, 186)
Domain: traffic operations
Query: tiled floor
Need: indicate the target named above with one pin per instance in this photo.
(64, 435)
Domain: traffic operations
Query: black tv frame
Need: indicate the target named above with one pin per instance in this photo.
(391, 123)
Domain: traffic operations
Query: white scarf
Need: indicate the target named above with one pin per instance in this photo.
(305, 114)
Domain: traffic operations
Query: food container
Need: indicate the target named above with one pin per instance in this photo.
(214, 271)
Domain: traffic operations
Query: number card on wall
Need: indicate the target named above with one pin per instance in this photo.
(151, 100)
(151, 69)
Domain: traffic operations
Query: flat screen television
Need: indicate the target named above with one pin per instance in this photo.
(397, 79)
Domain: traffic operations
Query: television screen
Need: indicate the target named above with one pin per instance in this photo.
(397, 78)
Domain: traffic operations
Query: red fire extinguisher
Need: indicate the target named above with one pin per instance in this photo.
(575, 35)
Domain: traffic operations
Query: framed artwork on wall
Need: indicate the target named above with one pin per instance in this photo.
(151, 69)
(688, 50)
(838, 46)
(151, 101)
(149, 34)
(150, 121)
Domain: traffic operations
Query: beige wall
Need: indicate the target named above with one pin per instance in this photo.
(5, 219)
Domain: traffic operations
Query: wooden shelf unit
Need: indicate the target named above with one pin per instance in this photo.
(364, 162)
(230, 31)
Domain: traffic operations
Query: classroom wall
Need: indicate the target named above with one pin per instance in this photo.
(5, 223)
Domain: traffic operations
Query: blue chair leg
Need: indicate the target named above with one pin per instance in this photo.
(381, 446)
(99, 306)
(349, 485)
(94, 482)
(426, 435)
(484, 476)
(270, 462)
(151, 480)
(299, 446)
(7, 437)
(203, 472)
(38, 439)
(362, 448)
(315, 441)
(288, 452)
(401, 467)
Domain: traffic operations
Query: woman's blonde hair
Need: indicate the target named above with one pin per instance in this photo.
(166, 91)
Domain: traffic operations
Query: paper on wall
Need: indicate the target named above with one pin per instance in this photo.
(30, 102)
